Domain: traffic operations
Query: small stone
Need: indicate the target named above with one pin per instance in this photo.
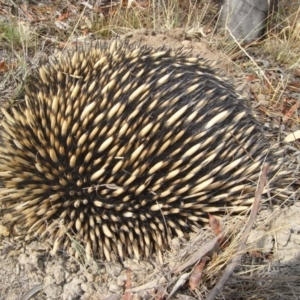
(113, 270)
(52, 291)
(48, 280)
(23, 259)
(72, 290)
(14, 253)
(84, 286)
(73, 267)
(113, 288)
(90, 277)
(120, 282)
(87, 287)
(4, 230)
(68, 276)
(40, 264)
(59, 276)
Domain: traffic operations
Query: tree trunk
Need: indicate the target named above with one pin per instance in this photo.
(245, 19)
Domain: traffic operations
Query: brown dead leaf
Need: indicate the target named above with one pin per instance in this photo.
(4, 67)
(259, 254)
(294, 86)
(284, 106)
(197, 273)
(288, 114)
(127, 295)
(63, 17)
(214, 224)
(269, 256)
(251, 77)
(216, 227)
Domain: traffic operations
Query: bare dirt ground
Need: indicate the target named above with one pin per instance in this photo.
(270, 268)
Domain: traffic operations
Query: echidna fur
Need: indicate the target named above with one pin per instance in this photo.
(123, 147)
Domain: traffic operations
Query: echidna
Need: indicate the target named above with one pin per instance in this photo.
(125, 146)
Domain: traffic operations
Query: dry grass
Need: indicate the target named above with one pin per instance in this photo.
(26, 31)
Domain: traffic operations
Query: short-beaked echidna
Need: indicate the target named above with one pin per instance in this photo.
(125, 146)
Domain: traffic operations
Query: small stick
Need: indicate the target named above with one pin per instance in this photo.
(149, 285)
(206, 248)
(230, 267)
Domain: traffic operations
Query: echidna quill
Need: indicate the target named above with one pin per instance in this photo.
(123, 147)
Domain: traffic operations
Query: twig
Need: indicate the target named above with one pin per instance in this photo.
(180, 282)
(149, 285)
(229, 269)
(199, 254)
